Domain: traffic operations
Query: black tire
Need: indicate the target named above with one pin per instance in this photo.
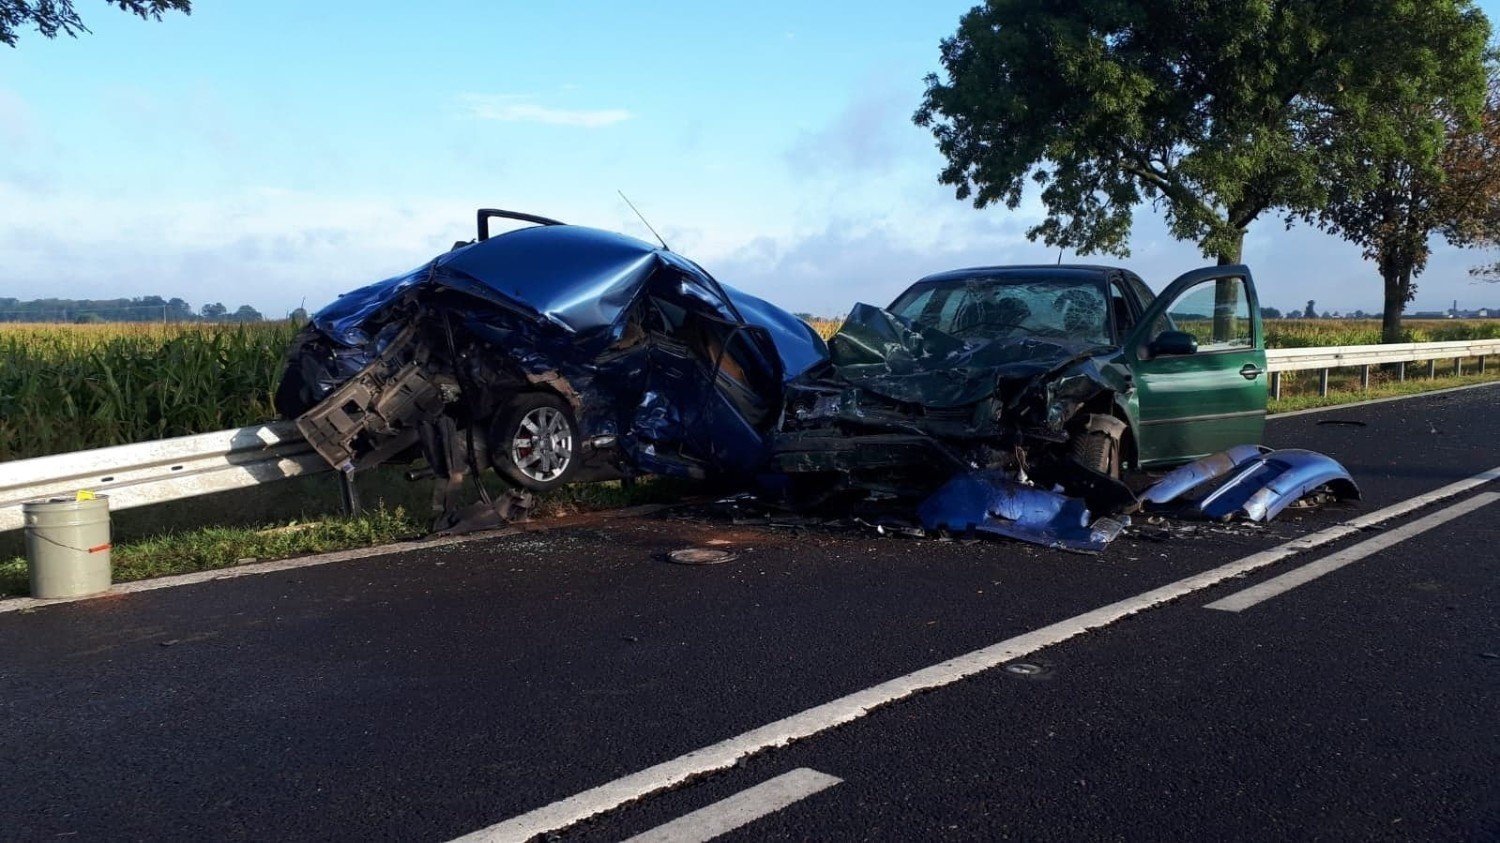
(1099, 451)
(534, 441)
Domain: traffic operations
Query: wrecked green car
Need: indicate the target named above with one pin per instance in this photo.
(1064, 376)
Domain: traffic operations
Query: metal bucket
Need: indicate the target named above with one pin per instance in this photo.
(67, 546)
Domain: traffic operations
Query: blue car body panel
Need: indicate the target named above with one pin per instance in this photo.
(1261, 488)
(1184, 479)
(991, 501)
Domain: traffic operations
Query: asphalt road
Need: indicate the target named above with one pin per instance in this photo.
(430, 694)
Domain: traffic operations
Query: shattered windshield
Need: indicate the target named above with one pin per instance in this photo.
(993, 308)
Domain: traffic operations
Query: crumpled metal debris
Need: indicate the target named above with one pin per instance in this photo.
(991, 501)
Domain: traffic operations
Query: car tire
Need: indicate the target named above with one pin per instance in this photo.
(1099, 450)
(534, 441)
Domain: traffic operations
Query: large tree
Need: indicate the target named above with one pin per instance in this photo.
(53, 17)
(1485, 149)
(1438, 175)
(1216, 111)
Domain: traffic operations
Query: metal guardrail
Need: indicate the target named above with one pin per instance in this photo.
(163, 470)
(1325, 358)
(171, 469)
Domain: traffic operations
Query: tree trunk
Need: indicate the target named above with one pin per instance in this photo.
(1231, 253)
(1227, 293)
(1397, 282)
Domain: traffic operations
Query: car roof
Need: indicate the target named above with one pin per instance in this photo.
(1041, 271)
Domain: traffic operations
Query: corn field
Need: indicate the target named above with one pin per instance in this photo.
(71, 387)
(1304, 333)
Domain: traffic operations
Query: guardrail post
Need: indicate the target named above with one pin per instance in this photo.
(1401, 371)
(1322, 381)
(1364, 377)
(1482, 358)
(1432, 368)
(1276, 385)
(348, 494)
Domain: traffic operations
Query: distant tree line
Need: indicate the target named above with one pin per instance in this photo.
(140, 309)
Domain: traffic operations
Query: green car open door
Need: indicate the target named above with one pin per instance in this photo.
(1199, 363)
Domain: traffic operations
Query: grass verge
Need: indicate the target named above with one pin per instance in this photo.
(211, 548)
(1386, 389)
(223, 547)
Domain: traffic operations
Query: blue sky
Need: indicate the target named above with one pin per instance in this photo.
(270, 152)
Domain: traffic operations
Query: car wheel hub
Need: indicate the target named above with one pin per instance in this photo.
(543, 444)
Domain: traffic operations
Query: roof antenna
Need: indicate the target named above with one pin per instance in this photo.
(643, 219)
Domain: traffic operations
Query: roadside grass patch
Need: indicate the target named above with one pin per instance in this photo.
(212, 548)
(223, 547)
(1384, 389)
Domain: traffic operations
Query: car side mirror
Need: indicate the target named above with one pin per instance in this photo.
(1173, 343)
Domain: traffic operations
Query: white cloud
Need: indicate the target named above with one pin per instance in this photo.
(868, 137)
(513, 108)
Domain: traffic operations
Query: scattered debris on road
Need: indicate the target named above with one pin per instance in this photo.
(699, 556)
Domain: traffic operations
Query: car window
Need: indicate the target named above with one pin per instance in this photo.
(1119, 305)
(987, 308)
(1142, 292)
(1216, 312)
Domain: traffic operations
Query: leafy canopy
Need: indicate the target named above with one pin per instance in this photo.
(51, 17)
(1214, 110)
(1434, 171)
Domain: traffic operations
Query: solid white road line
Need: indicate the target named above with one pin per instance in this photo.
(1368, 401)
(743, 808)
(1242, 600)
(727, 753)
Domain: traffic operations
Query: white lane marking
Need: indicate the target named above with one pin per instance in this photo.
(1241, 600)
(743, 808)
(1369, 401)
(727, 753)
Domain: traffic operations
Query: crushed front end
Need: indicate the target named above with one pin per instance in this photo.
(900, 409)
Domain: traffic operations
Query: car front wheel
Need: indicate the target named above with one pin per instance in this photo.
(1098, 445)
(535, 442)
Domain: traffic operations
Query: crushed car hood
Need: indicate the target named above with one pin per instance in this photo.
(581, 280)
(885, 354)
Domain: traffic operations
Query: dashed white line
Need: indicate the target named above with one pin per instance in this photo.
(743, 808)
(1242, 600)
(727, 753)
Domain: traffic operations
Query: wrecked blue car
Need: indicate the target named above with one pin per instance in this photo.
(553, 353)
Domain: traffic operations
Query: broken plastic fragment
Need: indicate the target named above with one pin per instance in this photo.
(1185, 479)
(1262, 488)
(991, 501)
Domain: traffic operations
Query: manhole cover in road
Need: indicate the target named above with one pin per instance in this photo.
(1024, 669)
(699, 556)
